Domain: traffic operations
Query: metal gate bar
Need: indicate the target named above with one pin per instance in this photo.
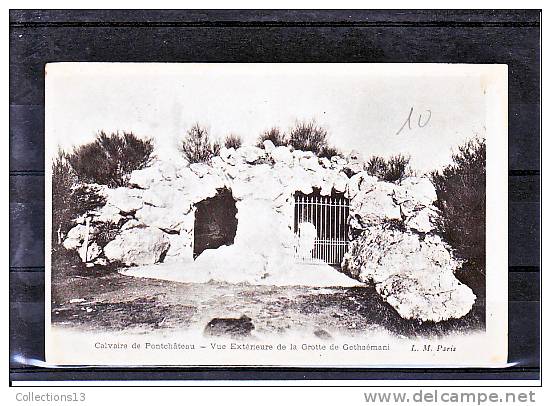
(329, 216)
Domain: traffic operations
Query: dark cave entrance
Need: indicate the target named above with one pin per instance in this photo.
(215, 222)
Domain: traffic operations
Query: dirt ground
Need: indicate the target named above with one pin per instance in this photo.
(95, 300)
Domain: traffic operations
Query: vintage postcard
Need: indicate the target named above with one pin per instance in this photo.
(349, 215)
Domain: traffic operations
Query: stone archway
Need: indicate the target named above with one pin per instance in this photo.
(215, 222)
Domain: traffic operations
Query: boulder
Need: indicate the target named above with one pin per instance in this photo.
(310, 163)
(165, 219)
(375, 205)
(340, 182)
(125, 199)
(268, 146)
(282, 154)
(71, 243)
(302, 181)
(181, 247)
(251, 154)
(132, 223)
(78, 233)
(138, 246)
(325, 163)
(169, 169)
(143, 178)
(161, 195)
(360, 182)
(419, 296)
(415, 275)
(418, 190)
(422, 220)
(354, 163)
(90, 253)
(184, 176)
(108, 214)
(200, 168)
(200, 189)
(228, 156)
(261, 185)
(283, 173)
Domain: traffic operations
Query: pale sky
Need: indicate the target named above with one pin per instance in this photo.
(361, 105)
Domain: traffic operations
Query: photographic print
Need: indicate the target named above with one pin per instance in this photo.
(276, 214)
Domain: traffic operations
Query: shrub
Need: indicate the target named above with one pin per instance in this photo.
(329, 152)
(105, 232)
(197, 145)
(397, 168)
(69, 199)
(392, 170)
(376, 166)
(111, 158)
(461, 191)
(63, 180)
(233, 141)
(308, 136)
(275, 135)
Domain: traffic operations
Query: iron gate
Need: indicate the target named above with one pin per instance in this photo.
(329, 216)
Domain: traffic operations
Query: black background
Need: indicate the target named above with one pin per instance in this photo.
(509, 37)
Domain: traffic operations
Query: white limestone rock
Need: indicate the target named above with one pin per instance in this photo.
(227, 155)
(310, 163)
(422, 220)
(415, 275)
(78, 232)
(354, 162)
(325, 163)
(181, 247)
(162, 195)
(360, 182)
(268, 146)
(71, 243)
(200, 168)
(138, 246)
(108, 214)
(340, 182)
(251, 154)
(90, 253)
(132, 223)
(375, 205)
(162, 218)
(419, 190)
(159, 171)
(424, 297)
(301, 180)
(125, 199)
(282, 154)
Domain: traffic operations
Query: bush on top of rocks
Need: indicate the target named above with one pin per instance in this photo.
(275, 135)
(197, 145)
(110, 159)
(304, 136)
(308, 136)
(393, 169)
(233, 141)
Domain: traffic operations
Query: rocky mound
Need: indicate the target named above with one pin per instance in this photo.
(393, 243)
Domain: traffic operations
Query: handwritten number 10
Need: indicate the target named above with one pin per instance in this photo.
(422, 120)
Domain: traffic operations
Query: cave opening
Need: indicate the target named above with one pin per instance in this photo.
(215, 222)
